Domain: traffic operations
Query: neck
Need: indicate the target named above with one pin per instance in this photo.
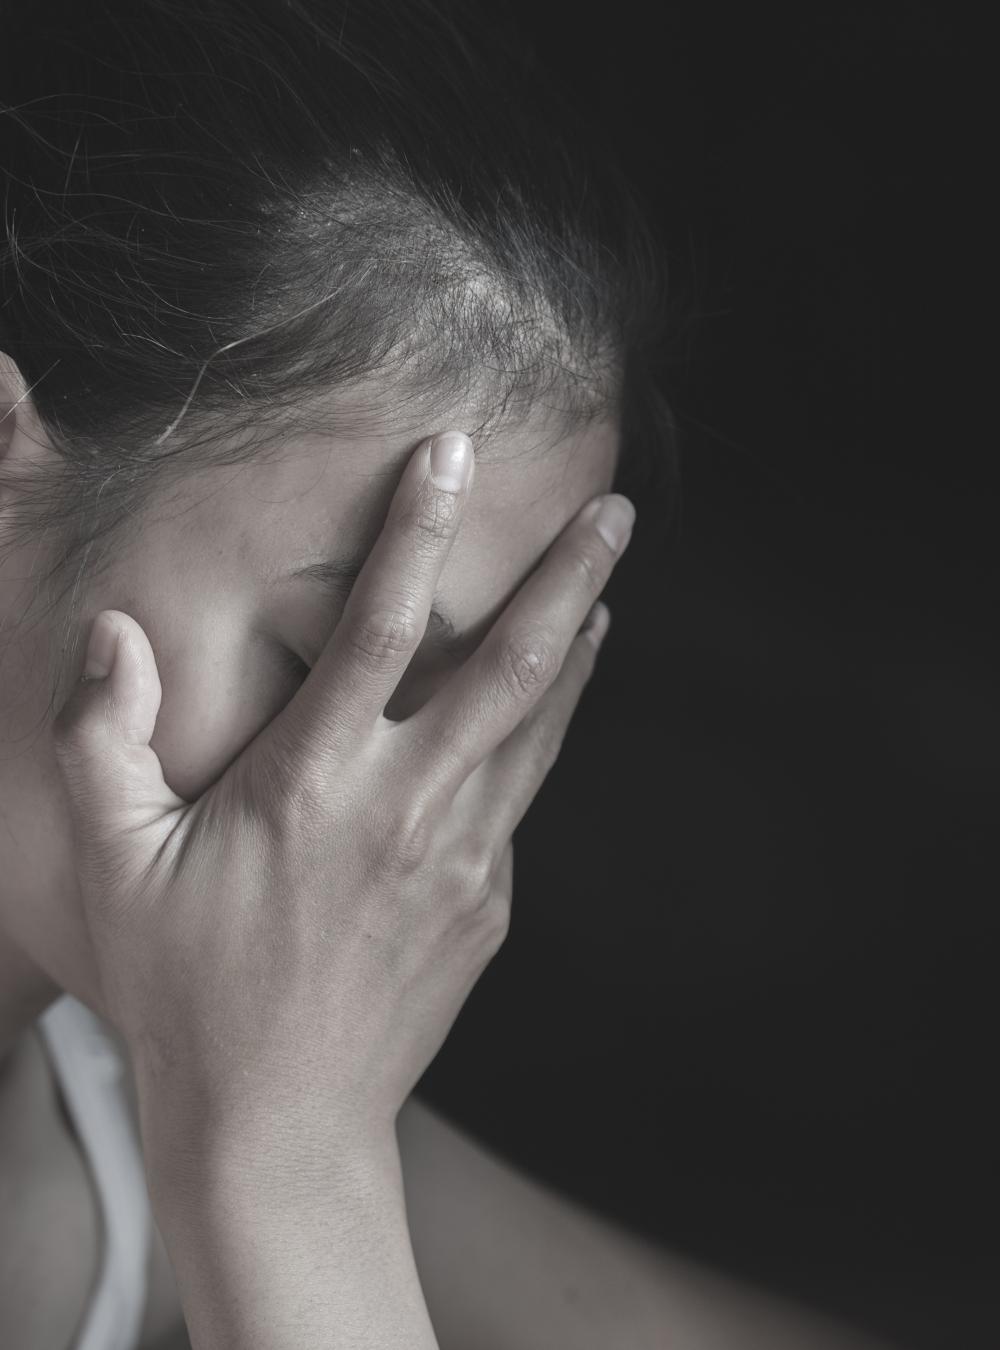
(25, 993)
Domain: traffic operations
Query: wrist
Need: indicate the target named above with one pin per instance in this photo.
(199, 1154)
(279, 1242)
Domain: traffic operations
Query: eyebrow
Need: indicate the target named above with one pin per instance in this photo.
(336, 576)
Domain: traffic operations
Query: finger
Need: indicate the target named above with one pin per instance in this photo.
(113, 778)
(510, 778)
(522, 654)
(386, 613)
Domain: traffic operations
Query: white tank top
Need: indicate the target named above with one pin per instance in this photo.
(89, 1069)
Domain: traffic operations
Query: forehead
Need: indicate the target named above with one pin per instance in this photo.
(322, 498)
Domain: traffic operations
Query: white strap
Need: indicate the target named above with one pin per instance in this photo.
(89, 1068)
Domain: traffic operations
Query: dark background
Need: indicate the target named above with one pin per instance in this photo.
(744, 1004)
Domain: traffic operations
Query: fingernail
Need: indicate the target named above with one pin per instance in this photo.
(100, 649)
(614, 520)
(451, 461)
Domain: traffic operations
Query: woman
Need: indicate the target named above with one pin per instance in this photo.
(321, 355)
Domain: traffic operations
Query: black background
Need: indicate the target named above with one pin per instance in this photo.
(744, 1003)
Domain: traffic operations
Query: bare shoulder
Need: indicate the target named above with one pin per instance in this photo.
(508, 1263)
(50, 1228)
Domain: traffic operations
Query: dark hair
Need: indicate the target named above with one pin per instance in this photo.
(227, 221)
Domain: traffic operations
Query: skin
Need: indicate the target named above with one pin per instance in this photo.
(204, 579)
(201, 582)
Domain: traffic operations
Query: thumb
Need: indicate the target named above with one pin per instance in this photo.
(101, 734)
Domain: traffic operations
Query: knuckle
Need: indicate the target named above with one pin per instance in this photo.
(409, 830)
(469, 884)
(385, 632)
(495, 923)
(527, 662)
(477, 879)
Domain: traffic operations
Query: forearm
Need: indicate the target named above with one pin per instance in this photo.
(272, 1257)
(510, 1264)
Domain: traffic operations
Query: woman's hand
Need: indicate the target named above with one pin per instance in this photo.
(288, 952)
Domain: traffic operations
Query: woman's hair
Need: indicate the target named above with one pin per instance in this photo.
(228, 222)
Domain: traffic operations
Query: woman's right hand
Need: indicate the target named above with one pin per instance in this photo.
(290, 950)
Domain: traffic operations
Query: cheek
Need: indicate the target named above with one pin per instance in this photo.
(217, 696)
(220, 691)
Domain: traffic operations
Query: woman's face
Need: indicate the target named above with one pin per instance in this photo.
(211, 579)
